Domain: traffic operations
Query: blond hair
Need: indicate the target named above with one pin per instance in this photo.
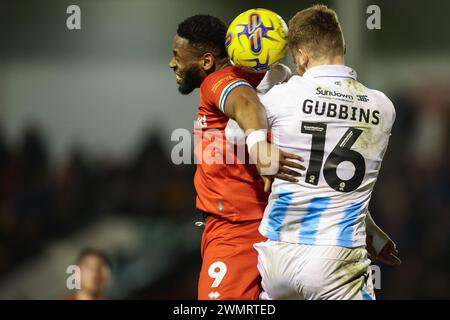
(317, 29)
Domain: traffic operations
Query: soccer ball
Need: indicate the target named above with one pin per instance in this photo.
(256, 39)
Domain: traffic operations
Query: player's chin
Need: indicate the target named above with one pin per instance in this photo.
(185, 89)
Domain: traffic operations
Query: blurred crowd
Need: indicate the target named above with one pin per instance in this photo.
(411, 200)
(40, 202)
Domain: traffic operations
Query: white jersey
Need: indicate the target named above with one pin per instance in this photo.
(341, 129)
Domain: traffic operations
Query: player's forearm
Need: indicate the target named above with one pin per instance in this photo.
(244, 107)
(379, 237)
(251, 117)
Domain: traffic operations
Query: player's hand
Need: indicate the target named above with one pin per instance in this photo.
(271, 161)
(280, 166)
(387, 255)
(286, 165)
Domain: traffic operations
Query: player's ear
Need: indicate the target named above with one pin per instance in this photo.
(303, 57)
(207, 61)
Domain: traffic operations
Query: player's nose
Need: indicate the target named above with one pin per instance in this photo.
(172, 63)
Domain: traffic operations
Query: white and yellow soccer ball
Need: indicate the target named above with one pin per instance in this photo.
(256, 39)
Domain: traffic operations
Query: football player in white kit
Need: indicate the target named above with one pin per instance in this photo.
(316, 228)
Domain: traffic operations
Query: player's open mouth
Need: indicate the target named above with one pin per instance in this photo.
(178, 79)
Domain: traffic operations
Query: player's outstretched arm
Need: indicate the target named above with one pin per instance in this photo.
(244, 107)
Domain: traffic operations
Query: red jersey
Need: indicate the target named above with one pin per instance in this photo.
(226, 184)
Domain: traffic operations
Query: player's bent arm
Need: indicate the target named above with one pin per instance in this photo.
(243, 106)
(379, 237)
(278, 73)
(379, 245)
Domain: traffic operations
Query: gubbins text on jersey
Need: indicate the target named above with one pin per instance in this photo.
(341, 111)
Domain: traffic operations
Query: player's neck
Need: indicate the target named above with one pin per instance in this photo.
(83, 295)
(337, 60)
(220, 64)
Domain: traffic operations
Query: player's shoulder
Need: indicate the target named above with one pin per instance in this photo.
(379, 94)
(230, 74)
(216, 87)
(284, 89)
(216, 78)
(384, 104)
(382, 99)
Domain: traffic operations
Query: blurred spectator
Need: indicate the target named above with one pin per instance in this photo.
(95, 275)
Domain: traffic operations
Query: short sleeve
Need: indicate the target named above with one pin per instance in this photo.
(217, 87)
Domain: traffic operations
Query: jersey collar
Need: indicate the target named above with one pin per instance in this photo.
(330, 71)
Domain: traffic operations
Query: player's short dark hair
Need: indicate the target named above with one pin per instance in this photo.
(205, 33)
(318, 29)
(94, 252)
